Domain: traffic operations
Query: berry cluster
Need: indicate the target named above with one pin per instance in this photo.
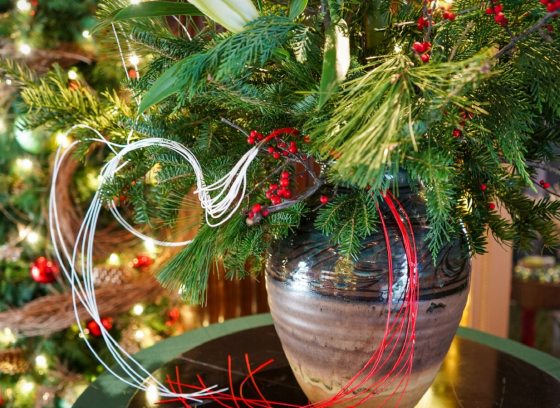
(448, 15)
(544, 184)
(423, 23)
(254, 137)
(498, 12)
(283, 149)
(551, 5)
(458, 132)
(421, 49)
(483, 188)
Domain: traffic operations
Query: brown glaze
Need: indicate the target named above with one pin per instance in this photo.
(331, 315)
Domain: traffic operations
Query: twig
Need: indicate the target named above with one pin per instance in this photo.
(526, 33)
(233, 125)
(463, 35)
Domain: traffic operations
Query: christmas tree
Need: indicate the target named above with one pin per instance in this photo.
(43, 362)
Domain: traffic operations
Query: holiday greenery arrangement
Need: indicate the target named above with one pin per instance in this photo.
(324, 106)
(461, 95)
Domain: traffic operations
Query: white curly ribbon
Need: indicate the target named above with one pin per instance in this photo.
(219, 200)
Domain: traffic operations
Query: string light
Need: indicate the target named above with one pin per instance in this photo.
(114, 260)
(25, 165)
(152, 394)
(150, 246)
(62, 140)
(26, 386)
(138, 309)
(33, 237)
(24, 48)
(134, 59)
(41, 363)
(139, 335)
(8, 82)
(7, 336)
(72, 75)
(23, 5)
(86, 34)
(134, 1)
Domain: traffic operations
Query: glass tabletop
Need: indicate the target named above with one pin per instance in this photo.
(472, 375)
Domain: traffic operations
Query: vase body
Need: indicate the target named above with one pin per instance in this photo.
(331, 314)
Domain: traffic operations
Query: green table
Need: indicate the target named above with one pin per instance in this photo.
(480, 370)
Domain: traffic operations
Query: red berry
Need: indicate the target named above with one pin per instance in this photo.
(285, 175)
(287, 193)
(546, 185)
(483, 187)
(265, 212)
(276, 200)
(253, 134)
(490, 10)
(107, 322)
(268, 194)
(324, 199)
(422, 23)
(491, 206)
(293, 148)
(285, 182)
(457, 133)
(500, 18)
(281, 145)
(425, 58)
(418, 47)
(250, 215)
(285, 153)
(498, 8)
(273, 187)
(94, 328)
(451, 16)
(541, 182)
(276, 155)
(271, 149)
(426, 46)
(257, 208)
(251, 140)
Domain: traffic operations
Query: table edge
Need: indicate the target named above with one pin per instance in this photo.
(121, 393)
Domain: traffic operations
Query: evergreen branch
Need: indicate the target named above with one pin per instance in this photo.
(524, 35)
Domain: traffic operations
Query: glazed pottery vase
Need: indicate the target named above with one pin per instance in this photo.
(331, 315)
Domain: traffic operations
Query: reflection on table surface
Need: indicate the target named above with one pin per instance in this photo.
(472, 375)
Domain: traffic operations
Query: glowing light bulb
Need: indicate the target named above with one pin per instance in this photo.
(23, 5)
(138, 309)
(134, 1)
(398, 49)
(33, 237)
(72, 75)
(41, 362)
(62, 140)
(134, 59)
(86, 34)
(139, 335)
(7, 336)
(150, 246)
(9, 82)
(26, 386)
(24, 48)
(152, 394)
(24, 165)
(114, 259)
